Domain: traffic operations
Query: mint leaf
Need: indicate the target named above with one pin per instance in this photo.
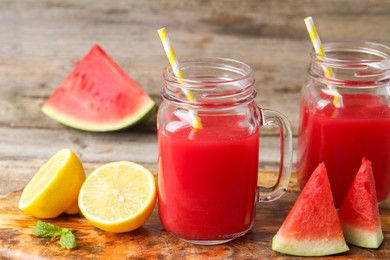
(68, 240)
(44, 229)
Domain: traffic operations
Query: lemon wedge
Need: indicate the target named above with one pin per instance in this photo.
(74, 209)
(55, 187)
(118, 197)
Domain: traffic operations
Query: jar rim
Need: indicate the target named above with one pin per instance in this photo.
(356, 63)
(375, 49)
(212, 82)
(241, 69)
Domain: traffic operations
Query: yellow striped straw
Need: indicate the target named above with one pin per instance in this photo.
(319, 49)
(196, 123)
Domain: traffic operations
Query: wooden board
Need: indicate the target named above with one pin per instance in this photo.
(43, 39)
(151, 241)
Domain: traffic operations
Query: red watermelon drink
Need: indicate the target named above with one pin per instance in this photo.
(345, 117)
(341, 137)
(209, 150)
(208, 183)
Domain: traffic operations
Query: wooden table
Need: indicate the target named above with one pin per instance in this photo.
(41, 40)
(151, 241)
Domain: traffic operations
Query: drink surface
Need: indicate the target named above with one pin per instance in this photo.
(341, 137)
(207, 178)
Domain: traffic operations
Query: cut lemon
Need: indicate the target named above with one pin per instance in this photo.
(118, 197)
(74, 209)
(55, 187)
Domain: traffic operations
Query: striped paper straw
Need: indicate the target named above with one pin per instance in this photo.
(319, 49)
(196, 123)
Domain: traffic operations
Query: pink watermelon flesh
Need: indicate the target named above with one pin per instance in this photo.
(98, 96)
(359, 213)
(312, 227)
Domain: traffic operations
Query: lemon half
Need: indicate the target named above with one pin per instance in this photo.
(55, 187)
(118, 197)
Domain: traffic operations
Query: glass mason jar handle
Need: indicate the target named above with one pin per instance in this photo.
(271, 117)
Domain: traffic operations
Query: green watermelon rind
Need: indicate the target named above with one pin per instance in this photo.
(72, 121)
(362, 237)
(308, 247)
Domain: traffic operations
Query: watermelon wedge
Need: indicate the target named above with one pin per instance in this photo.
(312, 227)
(98, 96)
(359, 213)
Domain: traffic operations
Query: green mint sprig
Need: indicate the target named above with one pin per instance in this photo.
(44, 229)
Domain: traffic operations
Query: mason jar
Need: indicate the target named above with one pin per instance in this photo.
(208, 138)
(345, 115)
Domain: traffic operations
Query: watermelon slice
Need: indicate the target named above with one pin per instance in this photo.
(98, 96)
(312, 227)
(359, 213)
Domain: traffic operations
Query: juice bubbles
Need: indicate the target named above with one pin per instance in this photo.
(345, 116)
(207, 175)
(207, 183)
(341, 137)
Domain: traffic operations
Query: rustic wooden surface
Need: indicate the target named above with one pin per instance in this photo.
(151, 241)
(42, 39)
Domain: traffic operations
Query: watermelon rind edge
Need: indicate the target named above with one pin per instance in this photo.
(125, 122)
(363, 238)
(308, 247)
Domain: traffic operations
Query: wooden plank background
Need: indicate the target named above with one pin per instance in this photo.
(41, 41)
